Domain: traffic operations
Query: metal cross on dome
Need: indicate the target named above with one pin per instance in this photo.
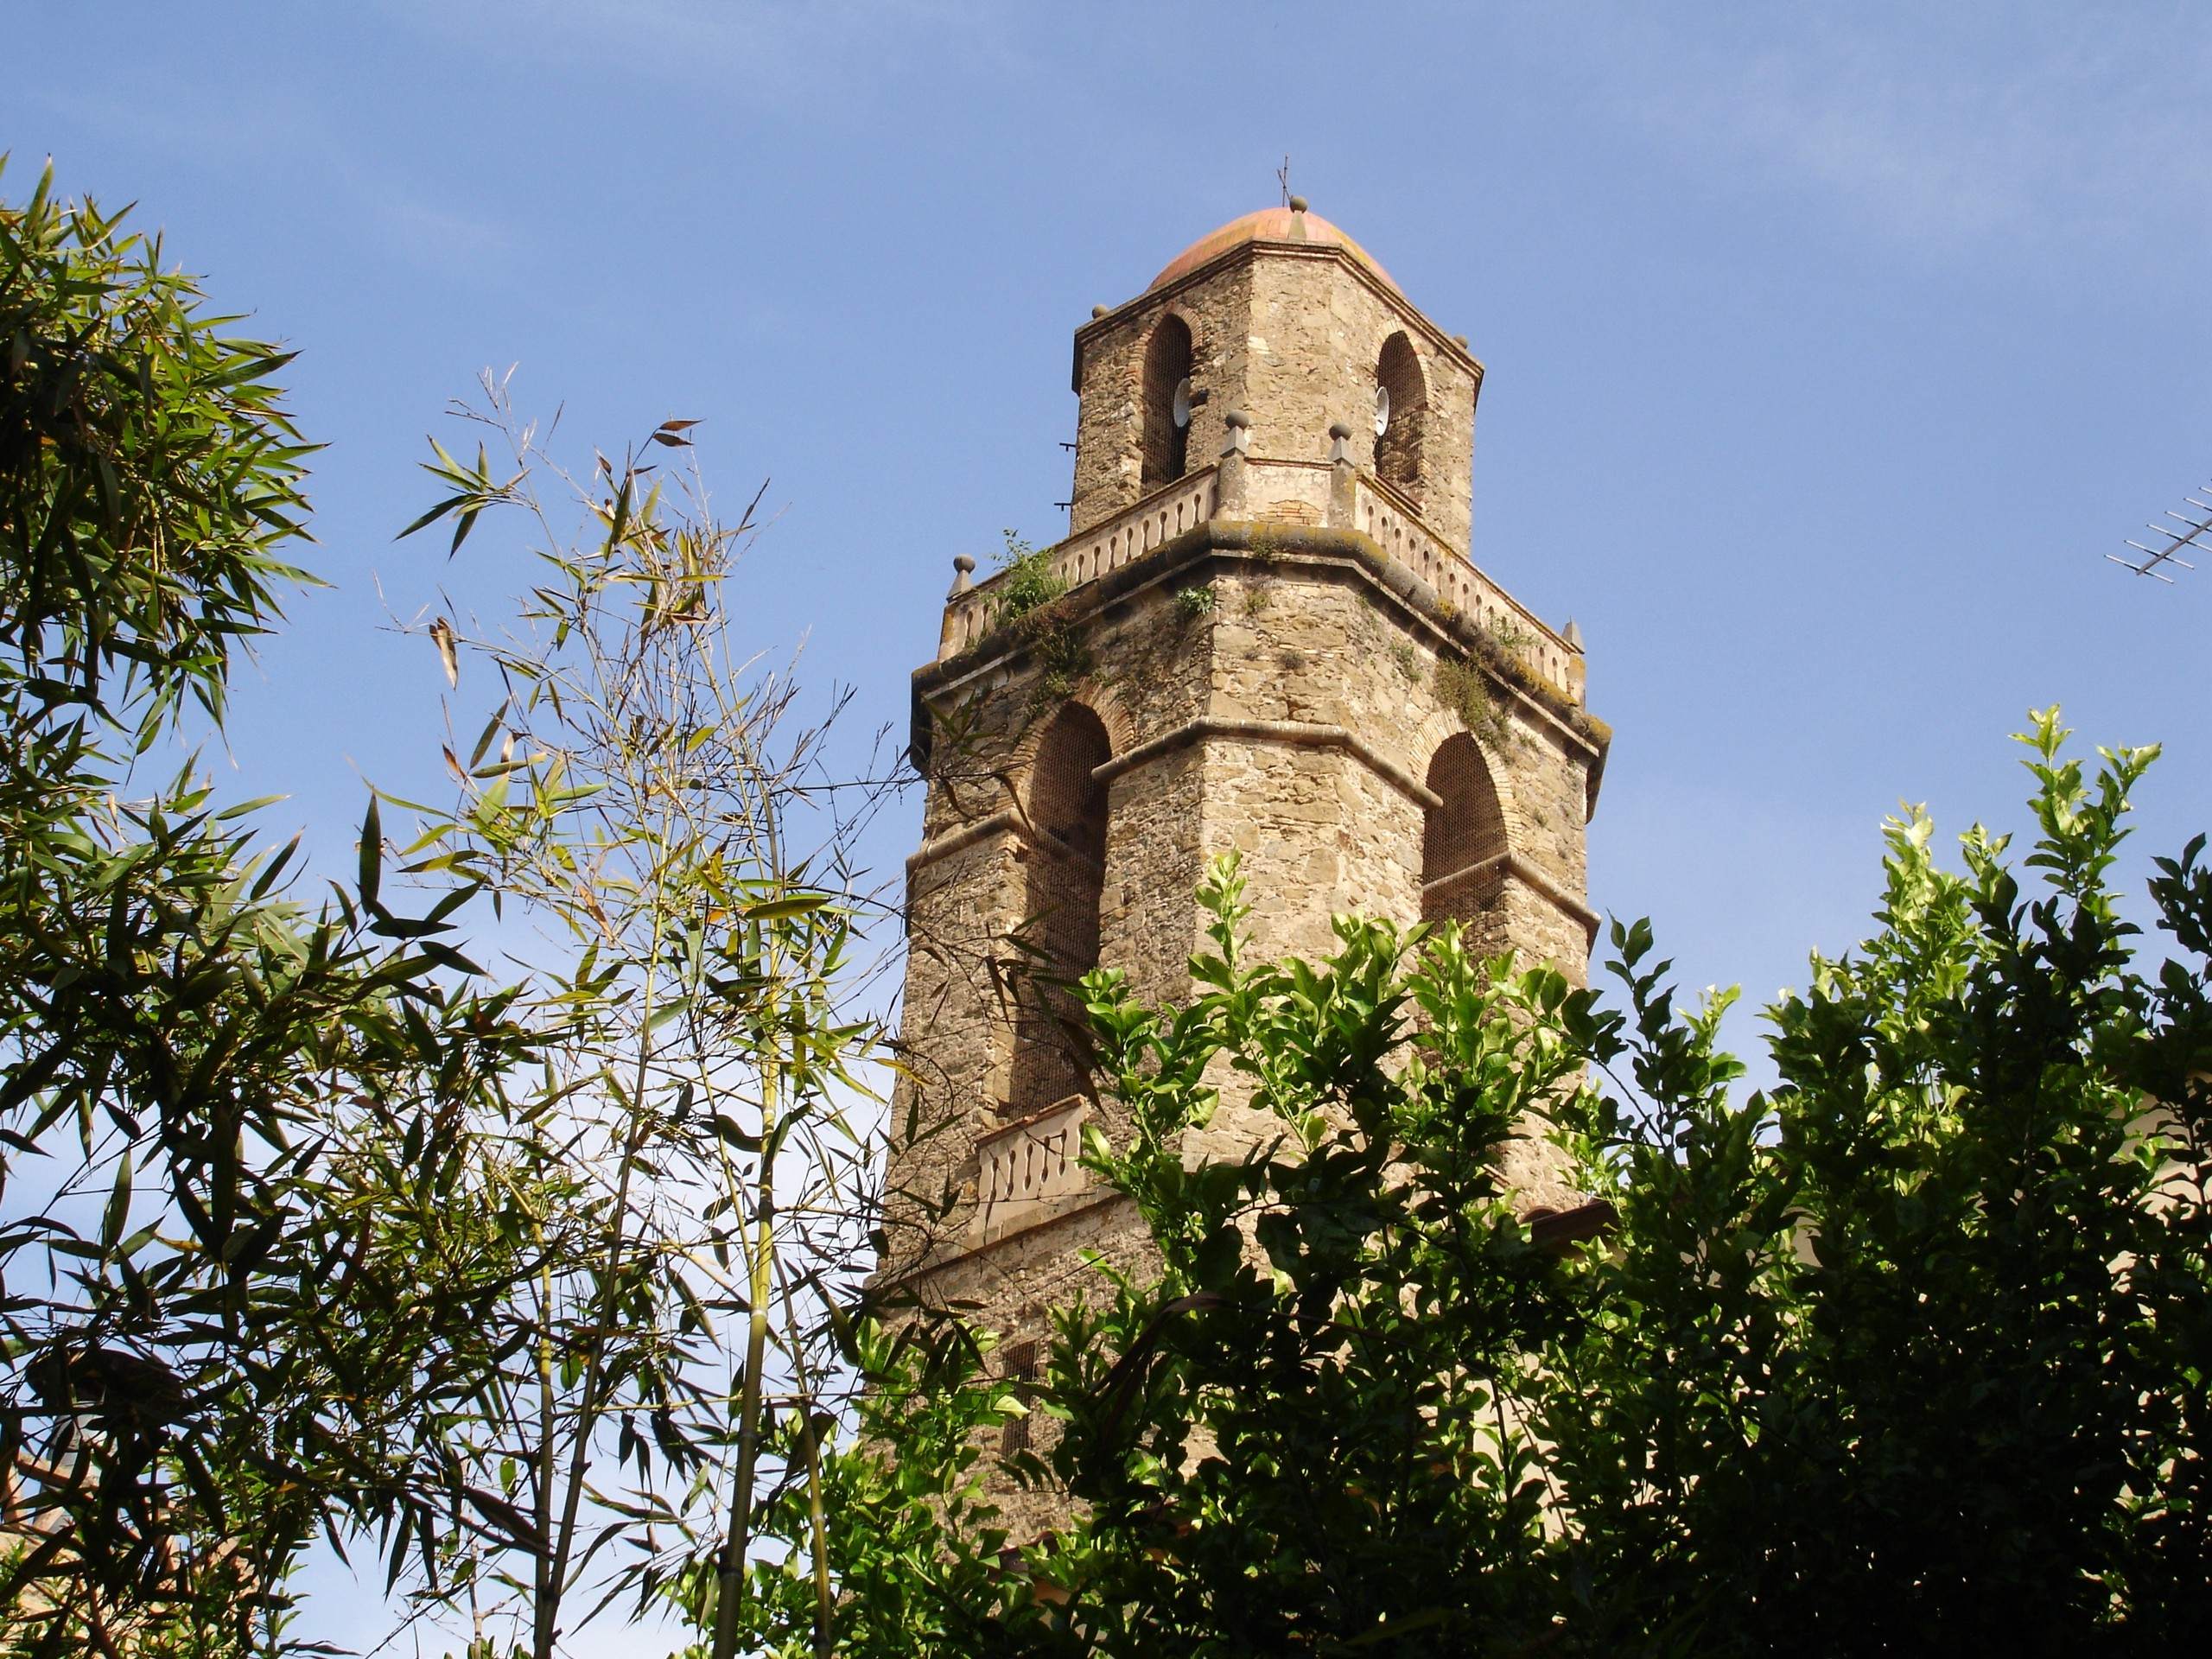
(2193, 525)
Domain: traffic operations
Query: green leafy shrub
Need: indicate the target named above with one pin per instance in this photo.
(917, 1549)
(1026, 580)
(1465, 689)
(1512, 638)
(1193, 604)
(1906, 1354)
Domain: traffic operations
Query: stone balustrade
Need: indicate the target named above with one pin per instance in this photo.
(1288, 493)
(1161, 516)
(1381, 515)
(1026, 1168)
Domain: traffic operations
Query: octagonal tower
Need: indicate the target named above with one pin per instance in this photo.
(1271, 638)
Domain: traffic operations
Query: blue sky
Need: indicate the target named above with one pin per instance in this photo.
(1830, 348)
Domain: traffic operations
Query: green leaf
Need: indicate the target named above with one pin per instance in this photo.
(777, 909)
(726, 1127)
(371, 854)
(447, 957)
(118, 1214)
(245, 807)
(1218, 1258)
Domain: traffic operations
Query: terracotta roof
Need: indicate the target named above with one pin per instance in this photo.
(1268, 225)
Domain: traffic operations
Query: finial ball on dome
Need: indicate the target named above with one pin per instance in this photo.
(1298, 204)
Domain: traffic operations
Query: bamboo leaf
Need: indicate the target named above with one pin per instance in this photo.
(777, 909)
(118, 1214)
(371, 874)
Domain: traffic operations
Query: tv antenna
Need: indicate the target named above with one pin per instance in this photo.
(2193, 523)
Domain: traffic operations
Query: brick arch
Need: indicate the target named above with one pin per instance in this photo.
(1063, 871)
(1436, 729)
(1170, 351)
(1398, 447)
(1465, 842)
(1095, 695)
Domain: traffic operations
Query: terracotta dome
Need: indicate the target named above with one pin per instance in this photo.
(1268, 225)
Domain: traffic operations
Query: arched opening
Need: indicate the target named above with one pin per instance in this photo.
(1064, 867)
(1166, 437)
(1400, 410)
(1463, 843)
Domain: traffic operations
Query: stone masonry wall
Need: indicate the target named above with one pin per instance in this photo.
(1110, 380)
(1316, 325)
(1293, 336)
(1292, 721)
(966, 885)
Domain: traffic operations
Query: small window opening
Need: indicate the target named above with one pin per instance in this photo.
(1064, 867)
(1166, 403)
(1019, 1365)
(1401, 412)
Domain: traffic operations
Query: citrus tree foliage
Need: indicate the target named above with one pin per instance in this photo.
(1908, 1351)
(212, 1095)
(1308, 1426)
(1912, 1351)
(644, 799)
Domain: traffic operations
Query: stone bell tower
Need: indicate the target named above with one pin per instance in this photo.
(1270, 638)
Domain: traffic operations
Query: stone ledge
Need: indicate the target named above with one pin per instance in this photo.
(1295, 732)
(1007, 820)
(940, 1260)
(1243, 542)
(1515, 868)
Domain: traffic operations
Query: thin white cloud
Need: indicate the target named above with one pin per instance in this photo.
(428, 234)
(768, 51)
(286, 141)
(1949, 128)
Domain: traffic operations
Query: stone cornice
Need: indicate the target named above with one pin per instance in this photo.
(950, 1253)
(1520, 869)
(1240, 541)
(1008, 820)
(1298, 733)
